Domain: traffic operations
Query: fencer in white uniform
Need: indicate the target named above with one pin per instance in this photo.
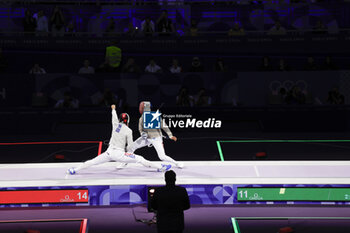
(153, 137)
(121, 136)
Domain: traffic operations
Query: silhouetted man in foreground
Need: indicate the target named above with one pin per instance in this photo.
(170, 202)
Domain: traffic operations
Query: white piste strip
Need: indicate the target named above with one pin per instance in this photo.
(194, 163)
(187, 177)
(183, 181)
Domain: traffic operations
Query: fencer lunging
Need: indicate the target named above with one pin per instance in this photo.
(153, 137)
(121, 136)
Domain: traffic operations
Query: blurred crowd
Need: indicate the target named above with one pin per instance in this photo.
(56, 24)
(113, 63)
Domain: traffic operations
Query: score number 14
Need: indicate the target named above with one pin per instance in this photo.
(82, 196)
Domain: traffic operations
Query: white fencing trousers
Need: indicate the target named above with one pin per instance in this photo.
(157, 144)
(118, 155)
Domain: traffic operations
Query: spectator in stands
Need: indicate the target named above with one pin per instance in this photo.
(319, 28)
(57, 22)
(86, 69)
(108, 98)
(196, 65)
(193, 29)
(29, 23)
(70, 29)
(175, 68)
(103, 68)
(67, 102)
(282, 65)
(147, 27)
(283, 95)
(131, 30)
(183, 99)
(39, 99)
(36, 69)
(152, 67)
(277, 29)
(310, 64)
(131, 66)
(266, 65)
(335, 97)
(220, 65)
(110, 27)
(202, 99)
(3, 62)
(113, 58)
(295, 96)
(328, 64)
(237, 30)
(42, 27)
(164, 24)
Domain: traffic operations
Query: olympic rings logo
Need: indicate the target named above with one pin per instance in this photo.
(276, 85)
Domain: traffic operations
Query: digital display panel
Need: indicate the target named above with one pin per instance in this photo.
(44, 196)
(293, 194)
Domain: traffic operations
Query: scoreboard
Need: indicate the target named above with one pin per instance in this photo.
(293, 194)
(44, 196)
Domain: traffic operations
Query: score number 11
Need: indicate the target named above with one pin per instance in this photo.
(243, 194)
(82, 196)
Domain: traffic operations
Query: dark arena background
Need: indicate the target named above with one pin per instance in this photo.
(256, 92)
